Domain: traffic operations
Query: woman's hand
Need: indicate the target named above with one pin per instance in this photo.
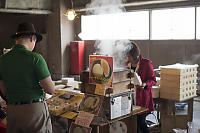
(128, 65)
(141, 86)
(3, 105)
(130, 86)
(130, 75)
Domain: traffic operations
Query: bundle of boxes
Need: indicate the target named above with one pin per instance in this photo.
(178, 82)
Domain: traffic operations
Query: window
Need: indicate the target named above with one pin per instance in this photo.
(128, 25)
(176, 23)
(166, 24)
(198, 23)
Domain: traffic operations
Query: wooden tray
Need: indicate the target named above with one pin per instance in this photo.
(184, 89)
(58, 105)
(178, 97)
(177, 83)
(118, 75)
(178, 69)
(117, 88)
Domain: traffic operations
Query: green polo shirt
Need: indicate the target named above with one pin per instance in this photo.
(21, 70)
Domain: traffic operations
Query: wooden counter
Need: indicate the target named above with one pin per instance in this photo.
(130, 121)
(169, 119)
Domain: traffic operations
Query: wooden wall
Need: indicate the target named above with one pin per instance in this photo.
(162, 52)
(56, 30)
(9, 23)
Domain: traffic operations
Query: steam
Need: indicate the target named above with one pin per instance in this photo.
(195, 59)
(114, 48)
(105, 7)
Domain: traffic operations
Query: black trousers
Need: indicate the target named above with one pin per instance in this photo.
(141, 124)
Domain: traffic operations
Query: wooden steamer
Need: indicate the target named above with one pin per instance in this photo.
(117, 100)
(119, 85)
(178, 82)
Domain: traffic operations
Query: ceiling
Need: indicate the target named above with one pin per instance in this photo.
(80, 5)
(44, 6)
(25, 6)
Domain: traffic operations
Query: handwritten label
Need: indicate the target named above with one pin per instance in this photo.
(74, 128)
(69, 115)
(84, 119)
(100, 89)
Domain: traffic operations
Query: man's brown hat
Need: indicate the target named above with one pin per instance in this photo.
(26, 29)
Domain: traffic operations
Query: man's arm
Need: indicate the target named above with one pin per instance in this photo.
(2, 88)
(48, 85)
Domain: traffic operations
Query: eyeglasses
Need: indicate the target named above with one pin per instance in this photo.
(35, 38)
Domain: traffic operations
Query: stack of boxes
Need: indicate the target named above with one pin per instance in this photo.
(117, 100)
(119, 84)
(178, 82)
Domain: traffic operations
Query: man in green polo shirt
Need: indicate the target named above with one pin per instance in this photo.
(24, 77)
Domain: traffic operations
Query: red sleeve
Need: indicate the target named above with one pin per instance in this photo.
(151, 78)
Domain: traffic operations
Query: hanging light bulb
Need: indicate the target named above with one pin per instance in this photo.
(71, 14)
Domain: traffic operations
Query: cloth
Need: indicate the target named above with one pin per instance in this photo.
(144, 96)
(21, 70)
(141, 124)
(29, 118)
(60, 124)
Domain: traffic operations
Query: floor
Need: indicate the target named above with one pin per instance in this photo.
(196, 113)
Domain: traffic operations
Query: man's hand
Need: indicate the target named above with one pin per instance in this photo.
(48, 85)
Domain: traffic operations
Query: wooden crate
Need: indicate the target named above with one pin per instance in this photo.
(118, 75)
(165, 83)
(129, 125)
(184, 89)
(178, 69)
(156, 91)
(178, 96)
(178, 77)
(119, 85)
(178, 81)
(170, 119)
(117, 88)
